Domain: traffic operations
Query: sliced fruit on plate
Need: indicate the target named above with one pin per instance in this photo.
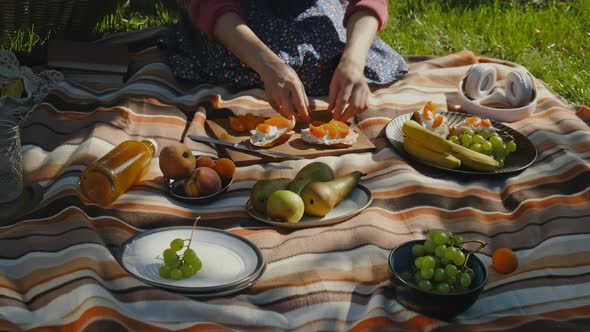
(247, 122)
(431, 119)
(273, 131)
(334, 134)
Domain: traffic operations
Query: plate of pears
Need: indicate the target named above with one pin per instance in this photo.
(315, 197)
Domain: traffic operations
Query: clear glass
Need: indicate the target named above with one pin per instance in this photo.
(11, 160)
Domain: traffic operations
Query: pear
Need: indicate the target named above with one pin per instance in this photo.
(315, 171)
(319, 198)
(285, 205)
(263, 189)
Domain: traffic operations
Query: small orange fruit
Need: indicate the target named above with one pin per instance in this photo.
(205, 161)
(236, 124)
(504, 260)
(225, 168)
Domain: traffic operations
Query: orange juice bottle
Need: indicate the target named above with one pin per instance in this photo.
(104, 180)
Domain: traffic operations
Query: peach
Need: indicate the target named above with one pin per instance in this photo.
(176, 161)
(202, 181)
(205, 161)
(225, 168)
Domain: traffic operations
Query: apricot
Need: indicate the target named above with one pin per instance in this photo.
(202, 181)
(205, 161)
(176, 161)
(225, 168)
(504, 260)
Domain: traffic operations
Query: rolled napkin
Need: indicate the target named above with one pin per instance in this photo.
(519, 88)
(479, 81)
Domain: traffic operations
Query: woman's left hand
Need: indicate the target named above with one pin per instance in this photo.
(349, 91)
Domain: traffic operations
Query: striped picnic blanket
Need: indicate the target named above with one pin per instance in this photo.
(58, 266)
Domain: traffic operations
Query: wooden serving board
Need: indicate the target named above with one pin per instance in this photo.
(220, 129)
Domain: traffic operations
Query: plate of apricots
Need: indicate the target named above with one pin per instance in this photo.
(194, 179)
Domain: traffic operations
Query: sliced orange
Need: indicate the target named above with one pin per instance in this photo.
(437, 121)
(427, 114)
(263, 127)
(252, 121)
(318, 132)
(472, 121)
(341, 126)
(430, 107)
(236, 124)
(277, 122)
(331, 129)
(486, 123)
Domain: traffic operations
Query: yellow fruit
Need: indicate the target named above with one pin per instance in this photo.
(285, 205)
(473, 159)
(421, 152)
(426, 137)
(319, 198)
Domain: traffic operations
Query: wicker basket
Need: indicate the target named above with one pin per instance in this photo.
(72, 19)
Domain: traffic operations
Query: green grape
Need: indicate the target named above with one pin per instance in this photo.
(187, 270)
(451, 271)
(496, 142)
(445, 261)
(451, 280)
(429, 246)
(418, 250)
(418, 262)
(464, 280)
(176, 244)
(511, 146)
(454, 139)
(486, 146)
(197, 264)
(450, 253)
(436, 261)
(439, 237)
(468, 131)
(175, 274)
(439, 274)
(500, 152)
(459, 258)
(443, 287)
(476, 147)
(165, 271)
(427, 262)
(171, 258)
(440, 251)
(466, 140)
(424, 284)
(457, 241)
(427, 273)
(494, 133)
(501, 163)
(478, 139)
(189, 255)
(417, 276)
(485, 134)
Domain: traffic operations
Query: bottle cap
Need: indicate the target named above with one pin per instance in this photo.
(154, 143)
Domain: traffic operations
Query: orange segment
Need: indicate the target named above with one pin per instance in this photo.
(263, 127)
(317, 131)
(437, 121)
(472, 121)
(236, 124)
(277, 122)
(430, 107)
(486, 123)
(341, 126)
(331, 129)
(251, 121)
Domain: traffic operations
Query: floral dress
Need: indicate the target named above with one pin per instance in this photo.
(308, 35)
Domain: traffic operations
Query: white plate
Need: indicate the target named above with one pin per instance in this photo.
(229, 261)
(358, 199)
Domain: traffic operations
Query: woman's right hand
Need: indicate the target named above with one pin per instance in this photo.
(284, 90)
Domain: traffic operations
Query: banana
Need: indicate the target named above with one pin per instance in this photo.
(432, 141)
(421, 152)
(426, 137)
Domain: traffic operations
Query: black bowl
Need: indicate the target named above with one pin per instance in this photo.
(431, 303)
(176, 190)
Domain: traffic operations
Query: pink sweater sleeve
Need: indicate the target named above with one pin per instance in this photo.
(378, 7)
(204, 13)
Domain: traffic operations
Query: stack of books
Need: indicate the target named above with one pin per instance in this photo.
(90, 64)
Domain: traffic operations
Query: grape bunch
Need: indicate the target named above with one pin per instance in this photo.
(486, 141)
(440, 264)
(183, 266)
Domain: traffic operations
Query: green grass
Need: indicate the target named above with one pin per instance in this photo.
(550, 38)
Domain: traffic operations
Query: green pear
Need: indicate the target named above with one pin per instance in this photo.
(319, 198)
(263, 189)
(315, 171)
(285, 205)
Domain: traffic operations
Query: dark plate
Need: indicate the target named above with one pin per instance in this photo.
(522, 158)
(176, 190)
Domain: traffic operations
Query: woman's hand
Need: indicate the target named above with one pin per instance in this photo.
(349, 91)
(284, 91)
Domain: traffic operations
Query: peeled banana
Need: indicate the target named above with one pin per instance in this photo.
(421, 152)
(432, 141)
